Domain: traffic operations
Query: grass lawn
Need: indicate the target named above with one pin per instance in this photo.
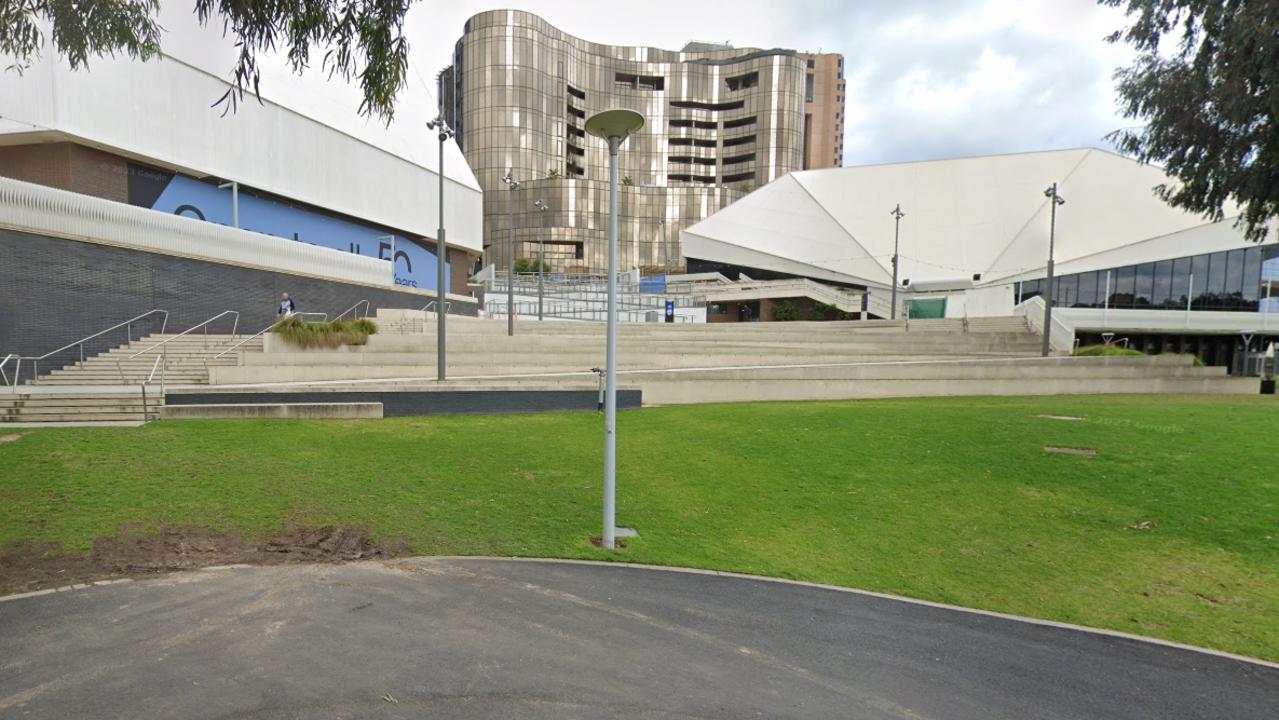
(1172, 530)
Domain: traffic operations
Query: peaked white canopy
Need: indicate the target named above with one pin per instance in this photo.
(981, 216)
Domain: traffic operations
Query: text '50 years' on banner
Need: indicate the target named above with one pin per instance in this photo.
(166, 192)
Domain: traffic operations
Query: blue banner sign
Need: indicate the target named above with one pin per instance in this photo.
(170, 193)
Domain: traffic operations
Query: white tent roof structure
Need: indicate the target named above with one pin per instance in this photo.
(985, 216)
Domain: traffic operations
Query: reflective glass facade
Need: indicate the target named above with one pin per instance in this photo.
(719, 122)
(1225, 280)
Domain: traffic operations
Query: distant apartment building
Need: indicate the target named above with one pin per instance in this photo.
(719, 123)
(824, 100)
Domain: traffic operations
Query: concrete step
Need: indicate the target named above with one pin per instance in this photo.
(311, 411)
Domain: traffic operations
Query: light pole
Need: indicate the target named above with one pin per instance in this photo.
(666, 250)
(541, 254)
(441, 252)
(1054, 199)
(897, 233)
(614, 126)
(510, 254)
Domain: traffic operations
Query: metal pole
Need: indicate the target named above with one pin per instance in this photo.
(541, 258)
(1190, 296)
(510, 260)
(1054, 200)
(897, 229)
(441, 255)
(610, 383)
(1105, 308)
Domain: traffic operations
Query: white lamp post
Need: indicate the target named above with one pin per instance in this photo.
(614, 126)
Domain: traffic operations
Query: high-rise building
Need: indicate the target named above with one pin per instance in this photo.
(824, 100)
(719, 122)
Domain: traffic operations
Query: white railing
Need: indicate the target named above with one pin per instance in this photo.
(1063, 333)
(46, 211)
(797, 287)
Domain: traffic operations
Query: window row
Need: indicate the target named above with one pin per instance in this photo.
(1227, 280)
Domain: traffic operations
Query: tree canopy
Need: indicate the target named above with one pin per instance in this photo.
(359, 39)
(1205, 83)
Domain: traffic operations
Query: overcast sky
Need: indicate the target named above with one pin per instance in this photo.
(926, 78)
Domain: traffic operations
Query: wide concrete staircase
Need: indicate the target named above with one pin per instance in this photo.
(125, 384)
(405, 348)
(156, 359)
(721, 362)
(669, 364)
(78, 405)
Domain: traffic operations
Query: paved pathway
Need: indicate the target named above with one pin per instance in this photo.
(449, 638)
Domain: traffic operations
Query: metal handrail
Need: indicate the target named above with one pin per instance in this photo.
(162, 359)
(365, 303)
(266, 330)
(4, 362)
(35, 359)
(448, 304)
(191, 329)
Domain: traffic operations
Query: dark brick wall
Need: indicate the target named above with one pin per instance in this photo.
(55, 291)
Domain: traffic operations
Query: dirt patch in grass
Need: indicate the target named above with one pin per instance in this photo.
(28, 567)
(12, 437)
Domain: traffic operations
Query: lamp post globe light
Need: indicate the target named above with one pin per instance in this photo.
(514, 185)
(613, 126)
(542, 207)
(1054, 200)
(441, 253)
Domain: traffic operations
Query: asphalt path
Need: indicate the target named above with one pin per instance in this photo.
(471, 638)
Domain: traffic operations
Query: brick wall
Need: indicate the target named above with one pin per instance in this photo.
(55, 291)
(68, 166)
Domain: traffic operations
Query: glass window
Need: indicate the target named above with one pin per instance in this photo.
(1217, 275)
(1252, 273)
(1088, 292)
(1180, 282)
(1066, 292)
(1125, 282)
(1030, 289)
(1234, 273)
(1145, 285)
(1163, 283)
(1198, 280)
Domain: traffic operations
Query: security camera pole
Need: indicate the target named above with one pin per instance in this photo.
(510, 254)
(897, 233)
(614, 126)
(1055, 200)
(441, 253)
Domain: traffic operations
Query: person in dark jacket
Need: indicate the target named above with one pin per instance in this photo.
(287, 307)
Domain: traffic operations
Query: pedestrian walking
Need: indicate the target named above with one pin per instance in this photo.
(287, 307)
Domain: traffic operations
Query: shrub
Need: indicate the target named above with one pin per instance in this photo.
(334, 333)
(785, 310)
(824, 311)
(529, 265)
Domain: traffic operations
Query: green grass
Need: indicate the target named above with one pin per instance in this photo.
(1106, 351)
(951, 500)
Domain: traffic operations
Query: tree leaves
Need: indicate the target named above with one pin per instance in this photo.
(1206, 84)
(360, 39)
